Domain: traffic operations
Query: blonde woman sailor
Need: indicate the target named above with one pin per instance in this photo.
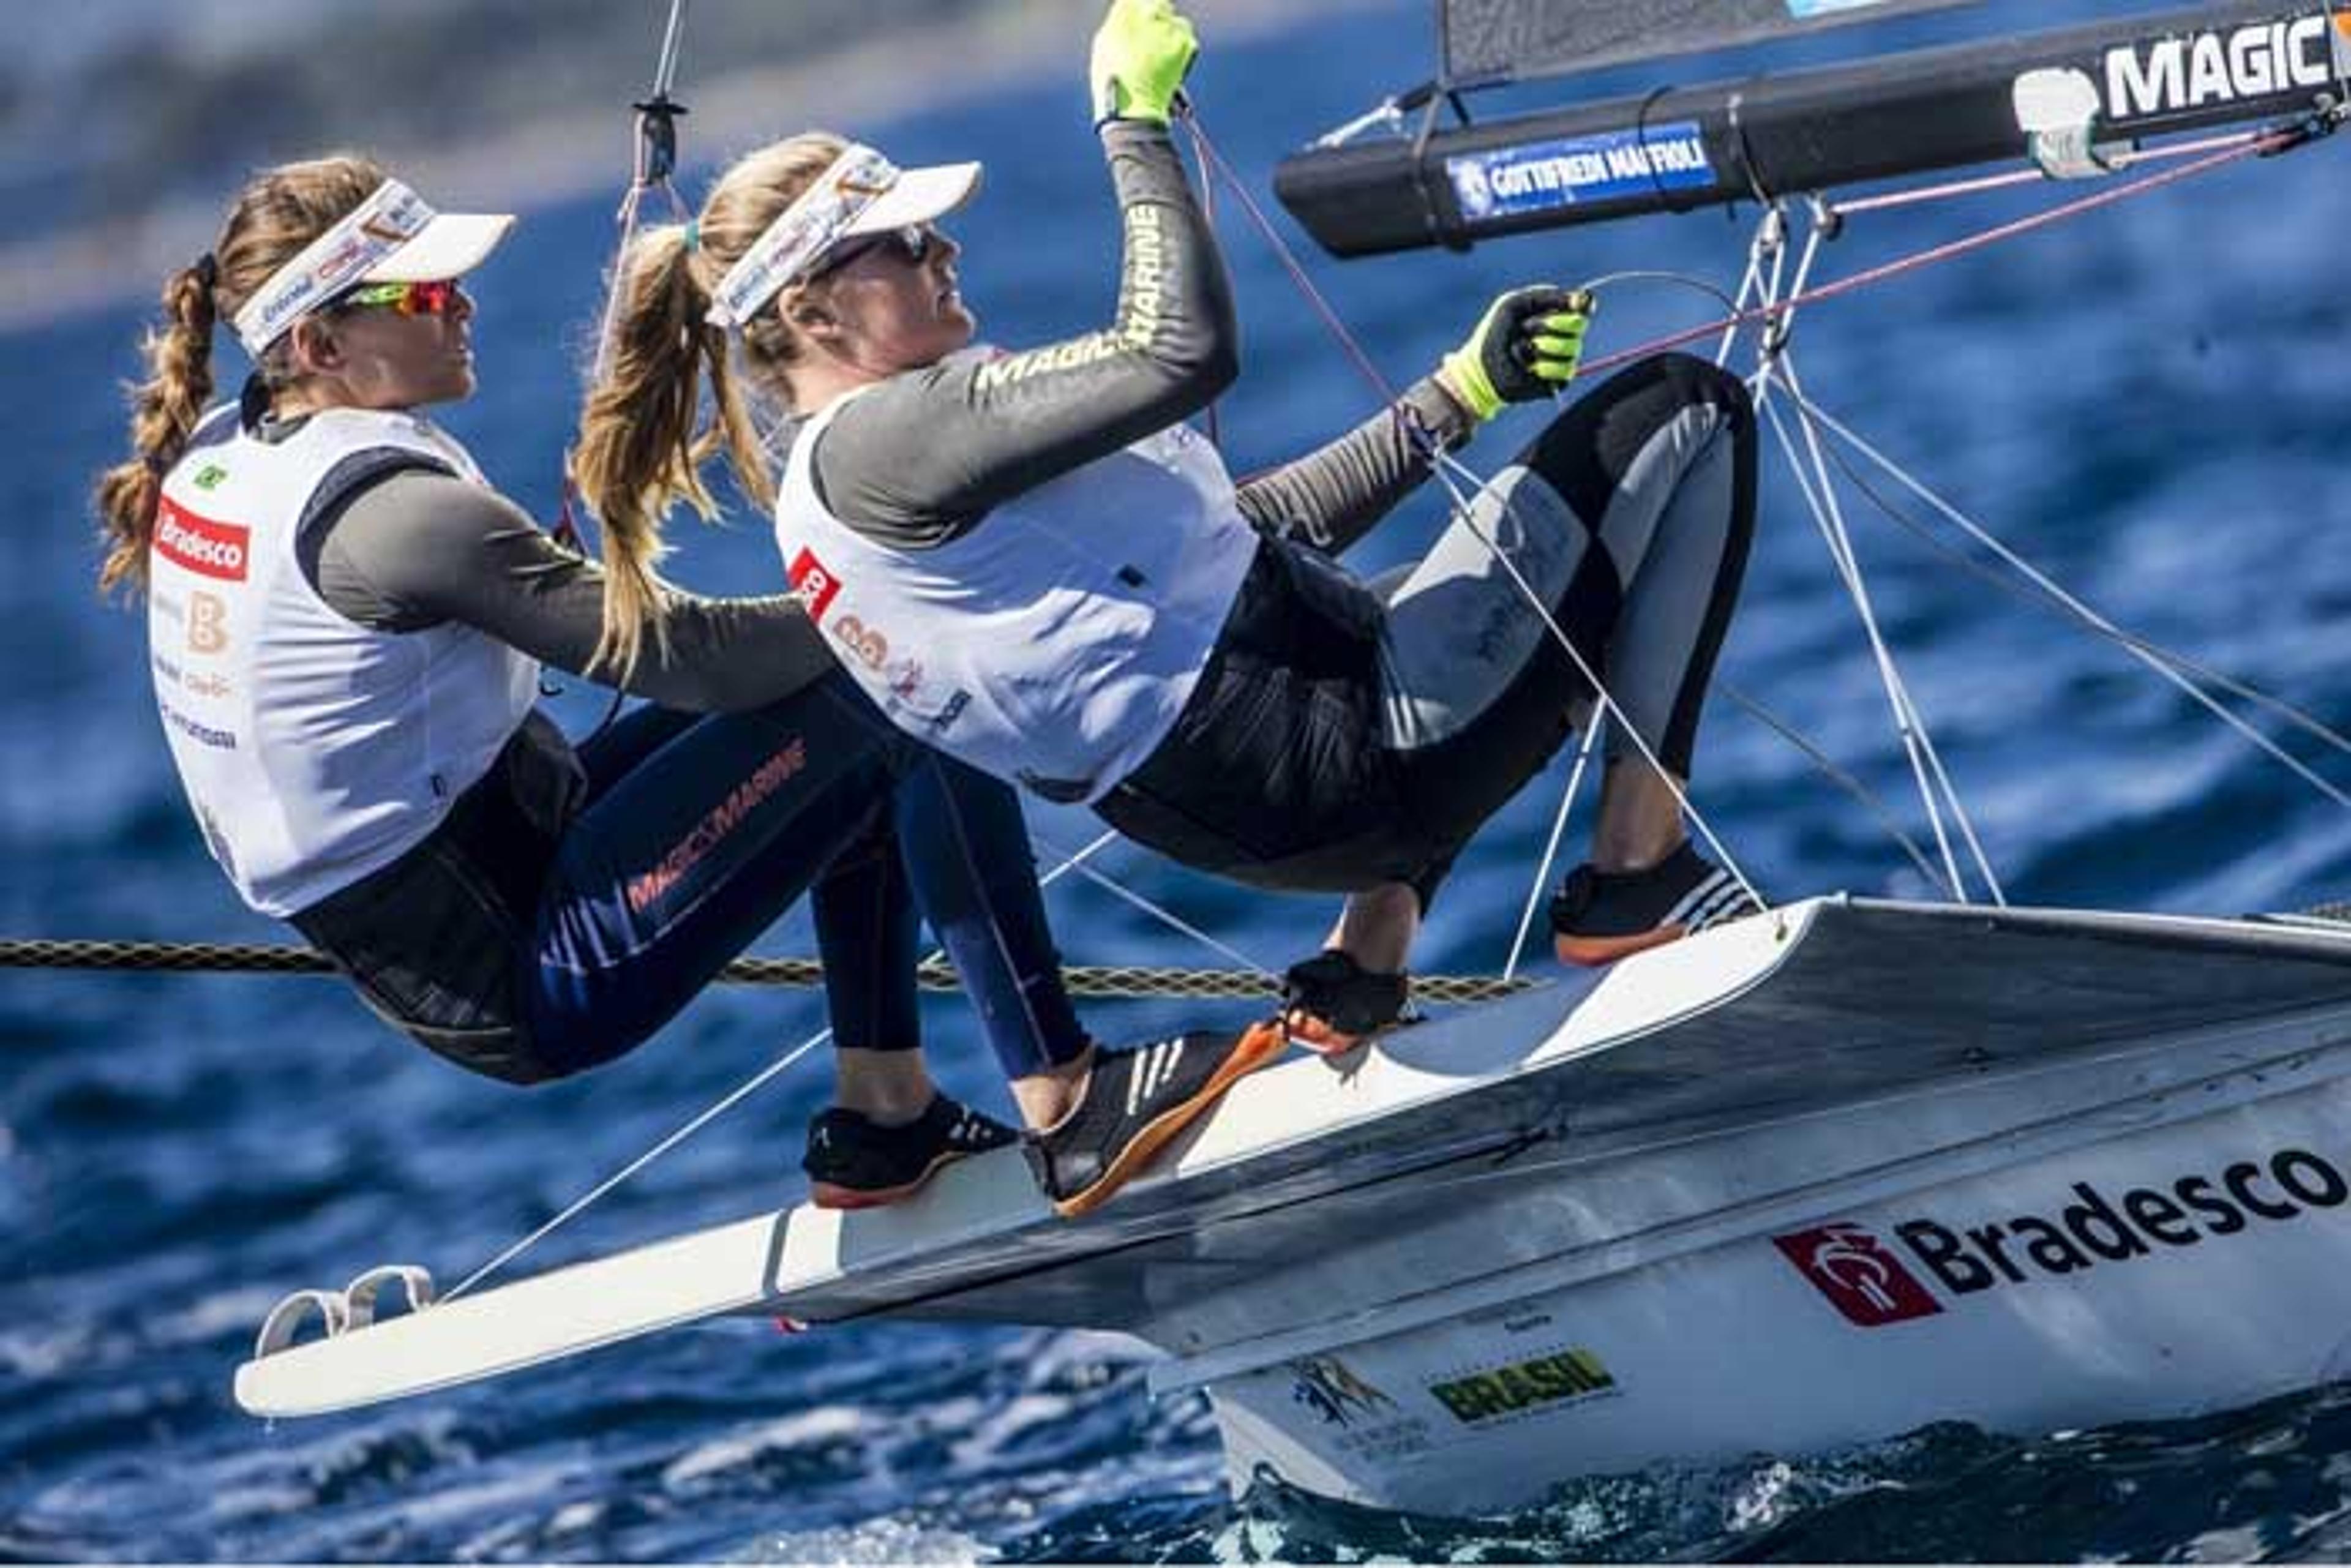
(1031, 562)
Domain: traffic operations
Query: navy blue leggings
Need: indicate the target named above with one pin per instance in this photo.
(701, 829)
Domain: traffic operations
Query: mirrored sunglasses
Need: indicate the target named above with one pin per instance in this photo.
(909, 243)
(436, 297)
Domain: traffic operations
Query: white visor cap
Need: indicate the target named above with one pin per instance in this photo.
(393, 236)
(859, 192)
(920, 196)
(452, 245)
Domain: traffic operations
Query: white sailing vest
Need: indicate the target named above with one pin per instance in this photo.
(313, 750)
(1055, 644)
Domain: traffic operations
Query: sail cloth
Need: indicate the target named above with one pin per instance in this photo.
(1490, 40)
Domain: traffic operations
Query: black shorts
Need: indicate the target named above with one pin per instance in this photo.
(1343, 736)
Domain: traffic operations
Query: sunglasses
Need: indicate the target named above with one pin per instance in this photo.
(437, 298)
(909, 243)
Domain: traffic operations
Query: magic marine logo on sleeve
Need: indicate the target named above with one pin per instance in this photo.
(1872, 1282)
(2199, 70)
(200, 545)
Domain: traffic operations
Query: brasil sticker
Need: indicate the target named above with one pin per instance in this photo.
(1544, 176)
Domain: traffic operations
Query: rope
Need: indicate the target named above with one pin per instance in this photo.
(2267, 144)
(1130, 982)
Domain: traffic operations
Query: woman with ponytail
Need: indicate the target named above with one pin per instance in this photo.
(1030, 560)
(347, 625)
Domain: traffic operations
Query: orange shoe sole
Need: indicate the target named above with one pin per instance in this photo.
(1259, 1045)
(1311, 1033)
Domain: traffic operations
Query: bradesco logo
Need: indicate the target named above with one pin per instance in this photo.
(199, 543)
(814, 582)
(1858, 1275)
(1872, 1286)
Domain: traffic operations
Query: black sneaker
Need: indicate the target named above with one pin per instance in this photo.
(855, 1162)
(1598, 917)
(1135, 1101)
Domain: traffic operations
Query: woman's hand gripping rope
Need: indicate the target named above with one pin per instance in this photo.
(1142, 52)
(1525, 348)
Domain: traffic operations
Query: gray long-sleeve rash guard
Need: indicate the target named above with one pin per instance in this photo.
(919, 459)
(418, 547)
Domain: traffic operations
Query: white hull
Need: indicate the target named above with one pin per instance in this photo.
(1560, 1233)
(1712, 1343)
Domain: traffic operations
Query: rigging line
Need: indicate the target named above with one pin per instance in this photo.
(2027, 593)
(1868, 799)
(1774, 364)
(1822, 503)
(2042, 581)
(724, 1104)
(1926, 740)
(1159, 912)
(1290, 264)
(1208, 221)
(1445, 467)
(1440, 462)
(673, 36)
(1816, 506)
(596, 1194)
(1551, 850)
(1988, 182)
(1766, 242)
(2274, 141)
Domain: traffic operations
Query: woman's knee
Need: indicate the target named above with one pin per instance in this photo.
(1595, 448)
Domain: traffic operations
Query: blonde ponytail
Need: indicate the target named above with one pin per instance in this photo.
(636, 453)
(640, 450)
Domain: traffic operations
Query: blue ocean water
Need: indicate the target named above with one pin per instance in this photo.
(2148, 404)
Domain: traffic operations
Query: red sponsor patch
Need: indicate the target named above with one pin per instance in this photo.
(1861, 1278)
(814, 582)
(200, 545)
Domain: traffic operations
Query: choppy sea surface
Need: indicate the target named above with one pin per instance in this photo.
(2149, 403)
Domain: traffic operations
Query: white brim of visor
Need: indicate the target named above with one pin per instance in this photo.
(452, 245)
(920, 196)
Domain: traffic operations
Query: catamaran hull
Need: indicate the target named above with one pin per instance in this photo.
(2076, 1288)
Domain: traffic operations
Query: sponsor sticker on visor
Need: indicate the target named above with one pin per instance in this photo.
(1545, 176)
(806, 229)
(391, 218)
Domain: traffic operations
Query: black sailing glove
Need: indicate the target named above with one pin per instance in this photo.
(1525, 348)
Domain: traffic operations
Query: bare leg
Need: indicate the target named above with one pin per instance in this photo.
(1377, 927)
(1640, 820)
(888, 1087)
(1045, 1098)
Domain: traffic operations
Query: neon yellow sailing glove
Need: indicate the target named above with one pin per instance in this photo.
(1526, 347)
(1141, 52)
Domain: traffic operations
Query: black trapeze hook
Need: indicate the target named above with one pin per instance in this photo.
(657, 118)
